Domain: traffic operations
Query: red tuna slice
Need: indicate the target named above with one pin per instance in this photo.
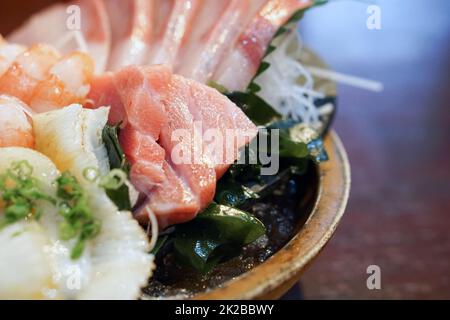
(179, 25)
(53, 25)
(104, 93)
(184, 147)
(172, 202)
(132, 31)
(142, 91)
(224, 125)
(253, 43)
(146, 158)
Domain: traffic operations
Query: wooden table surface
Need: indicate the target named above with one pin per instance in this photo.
(399, 211)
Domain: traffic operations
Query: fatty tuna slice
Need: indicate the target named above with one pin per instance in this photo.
(146, 157)
(184, 146)
(104, 93)
(142, 91)
(225, 127)
(172, 201)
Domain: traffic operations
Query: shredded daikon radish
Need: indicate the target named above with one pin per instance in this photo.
(153, 227)
(288, 86)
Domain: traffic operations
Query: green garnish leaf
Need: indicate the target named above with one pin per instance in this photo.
(299, 141)
(217, 86)
(258, 110)
(162, 240)
(116, 188)
(117, 159)
(120, 197)
(216, 234)
(234, 194)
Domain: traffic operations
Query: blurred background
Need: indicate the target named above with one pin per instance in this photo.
(398, 215)
(399, 210)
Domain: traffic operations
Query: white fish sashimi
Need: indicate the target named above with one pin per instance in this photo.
(132, 31)
(179, 25)
(209, 41)
(242, 62)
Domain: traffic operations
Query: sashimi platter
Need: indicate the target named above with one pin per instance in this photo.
(156, 149)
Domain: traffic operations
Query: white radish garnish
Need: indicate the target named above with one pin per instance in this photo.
(287, 85)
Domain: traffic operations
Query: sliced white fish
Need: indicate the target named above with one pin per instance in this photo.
(132, 31)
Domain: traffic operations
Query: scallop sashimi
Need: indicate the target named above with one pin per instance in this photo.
(112, 265)
(27, 270)
(23, 246)
(94, 25)
(15, 126)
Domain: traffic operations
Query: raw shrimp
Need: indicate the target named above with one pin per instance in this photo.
(15, 127)
(42, 79)
(27, 70)
(67, 82)
(8, 53)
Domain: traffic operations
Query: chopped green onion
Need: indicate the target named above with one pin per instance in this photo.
(19, 194)
(91, 174)
(79, 221)
(115, 179)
